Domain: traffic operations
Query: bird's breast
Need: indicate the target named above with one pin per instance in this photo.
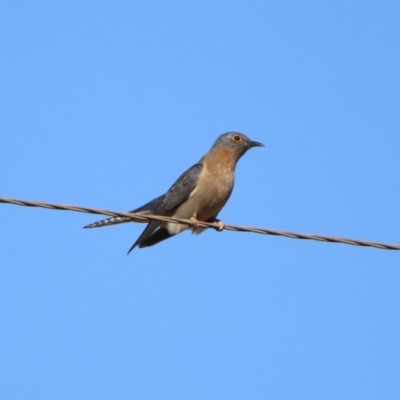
(211, 193)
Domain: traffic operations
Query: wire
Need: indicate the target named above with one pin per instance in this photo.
(215, 226)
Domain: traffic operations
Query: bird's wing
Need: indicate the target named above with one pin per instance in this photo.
(176, 195)
(180, 190)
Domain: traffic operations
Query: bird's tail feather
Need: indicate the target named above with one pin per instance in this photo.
(148, 208)
(108, 222)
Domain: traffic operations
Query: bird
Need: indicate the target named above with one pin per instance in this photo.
(199, 194)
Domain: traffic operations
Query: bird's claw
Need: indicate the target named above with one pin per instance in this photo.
(221, 225)
(195, 223)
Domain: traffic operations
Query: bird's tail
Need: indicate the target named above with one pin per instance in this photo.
(108, 222)
(148, 208)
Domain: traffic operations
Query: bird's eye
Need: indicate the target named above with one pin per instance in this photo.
(237, 138)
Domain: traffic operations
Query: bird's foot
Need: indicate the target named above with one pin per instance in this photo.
(221, 225)
(195, 223)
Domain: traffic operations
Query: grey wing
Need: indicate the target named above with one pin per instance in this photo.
(148, 208)
(176, 195)
(180, 190)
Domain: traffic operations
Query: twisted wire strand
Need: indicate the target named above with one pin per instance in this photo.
(264, 231)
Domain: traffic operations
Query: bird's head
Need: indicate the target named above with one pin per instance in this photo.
(236, 141)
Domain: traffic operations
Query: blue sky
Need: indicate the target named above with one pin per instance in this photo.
(104, 104)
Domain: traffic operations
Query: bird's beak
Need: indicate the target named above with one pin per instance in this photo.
(256, 144)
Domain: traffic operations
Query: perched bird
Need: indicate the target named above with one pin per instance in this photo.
(199, 194)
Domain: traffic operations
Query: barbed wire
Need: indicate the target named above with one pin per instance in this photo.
(144, 218)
